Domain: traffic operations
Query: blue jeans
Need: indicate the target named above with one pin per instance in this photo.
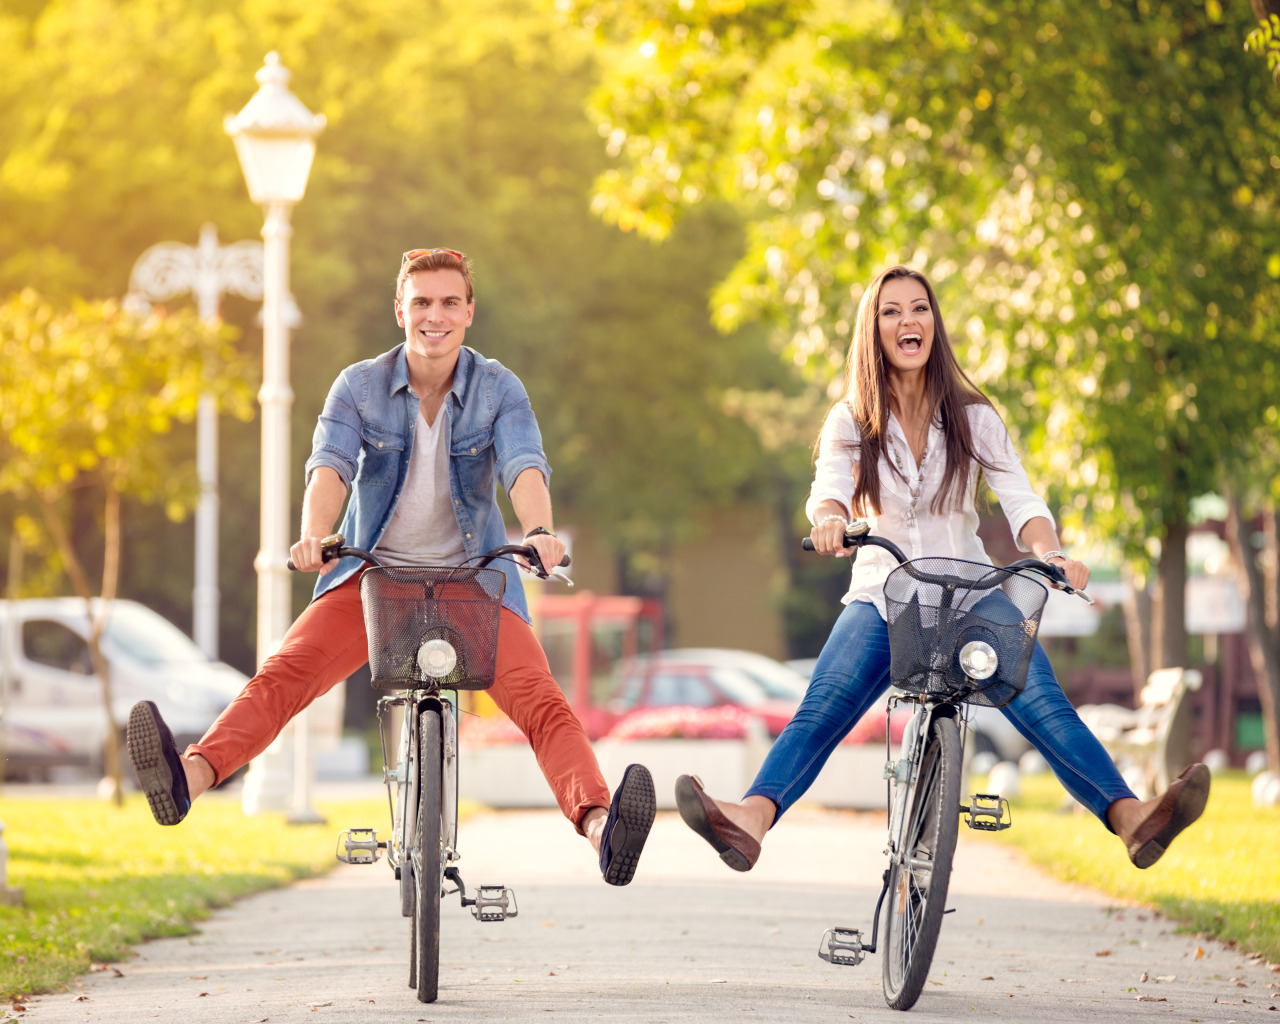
(852, 674)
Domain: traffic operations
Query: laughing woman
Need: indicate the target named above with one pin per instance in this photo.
(905, 448)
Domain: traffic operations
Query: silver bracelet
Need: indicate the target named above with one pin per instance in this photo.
(1054, 554)
(833, 515)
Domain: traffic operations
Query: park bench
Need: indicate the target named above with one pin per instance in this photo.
(1138, 738)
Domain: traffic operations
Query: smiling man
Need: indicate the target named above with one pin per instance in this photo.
(420, 436)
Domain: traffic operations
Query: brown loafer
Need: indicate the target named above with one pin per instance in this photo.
(1182, 803)
(700, 813)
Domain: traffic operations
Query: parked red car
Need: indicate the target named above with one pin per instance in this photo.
(702, 678)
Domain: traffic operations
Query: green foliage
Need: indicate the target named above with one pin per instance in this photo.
(87, 392)
(91, 889)
(470, 135)
(1265, 41)
(1214, 880)
(1091, 186)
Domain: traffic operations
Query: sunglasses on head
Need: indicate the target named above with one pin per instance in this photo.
(413, 254)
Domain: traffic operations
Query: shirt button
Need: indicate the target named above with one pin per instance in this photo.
(468, 536)
(473, 451)
(379, 444)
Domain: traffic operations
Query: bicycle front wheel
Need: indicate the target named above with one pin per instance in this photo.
(427, 858)
(921, 868)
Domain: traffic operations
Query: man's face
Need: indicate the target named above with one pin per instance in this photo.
(434, 313)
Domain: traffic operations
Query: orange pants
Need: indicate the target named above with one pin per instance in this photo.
(327, 643)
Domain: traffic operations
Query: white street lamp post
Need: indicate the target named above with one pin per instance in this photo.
(275, 140)
(207, 271)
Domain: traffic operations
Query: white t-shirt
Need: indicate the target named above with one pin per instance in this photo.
(423, 529)
(949, 534)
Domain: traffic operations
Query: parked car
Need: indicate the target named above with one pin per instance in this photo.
(989, 730)
(704, 677)
(54, 715)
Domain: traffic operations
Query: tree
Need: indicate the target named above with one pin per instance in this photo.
(86, 396)
(427, 143)
(1091, 186)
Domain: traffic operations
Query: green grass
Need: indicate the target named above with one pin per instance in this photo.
(97, 879)
(1221, 877)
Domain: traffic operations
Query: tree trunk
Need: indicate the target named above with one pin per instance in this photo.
(1169, 646)
(1258, 583)
(80, 580)
(1137, 621)
(1169, 649)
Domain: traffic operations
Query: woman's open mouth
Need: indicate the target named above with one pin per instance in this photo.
(910, 344)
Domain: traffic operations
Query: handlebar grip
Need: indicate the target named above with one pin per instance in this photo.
(807, 544)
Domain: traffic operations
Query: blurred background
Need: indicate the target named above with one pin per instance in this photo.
(672, 208)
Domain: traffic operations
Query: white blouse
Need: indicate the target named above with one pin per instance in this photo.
(921, 532)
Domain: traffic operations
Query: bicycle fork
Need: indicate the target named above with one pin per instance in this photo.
(363, 845)
(844, 947)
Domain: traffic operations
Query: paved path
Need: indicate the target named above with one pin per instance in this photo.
(687, 941)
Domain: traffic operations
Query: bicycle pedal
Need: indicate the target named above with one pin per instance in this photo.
(359, 846)
(988, 812)
(842, 947)
(494, 903)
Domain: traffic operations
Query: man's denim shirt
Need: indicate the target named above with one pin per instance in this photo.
(365, 435)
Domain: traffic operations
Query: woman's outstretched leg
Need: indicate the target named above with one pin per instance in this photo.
(850, 675)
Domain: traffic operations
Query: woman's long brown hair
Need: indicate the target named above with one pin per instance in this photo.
(868, 393)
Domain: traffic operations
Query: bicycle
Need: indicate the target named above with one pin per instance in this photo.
(960, 633)
(433, 631)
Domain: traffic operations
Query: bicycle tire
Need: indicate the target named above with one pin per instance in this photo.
(428, 865)
(920, 875)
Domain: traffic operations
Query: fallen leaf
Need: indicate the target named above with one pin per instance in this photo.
(988, 978)
(551, 974)
(198, 977)
(1152, 999)
(327, 1002)
(81, 998)
(1199, 952)
(1166, 977)
(1103, 952)
(199, 994)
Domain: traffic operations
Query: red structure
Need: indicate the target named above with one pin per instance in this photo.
(585, 635)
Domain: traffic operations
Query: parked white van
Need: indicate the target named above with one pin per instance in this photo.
(51, 710)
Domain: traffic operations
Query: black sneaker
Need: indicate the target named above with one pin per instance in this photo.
(631, 814)
(157, 764)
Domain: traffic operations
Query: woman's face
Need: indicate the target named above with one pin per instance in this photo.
(905, 323)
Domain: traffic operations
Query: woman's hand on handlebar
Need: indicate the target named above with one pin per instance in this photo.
(1077, 572)
(828, 532)
(305, 556)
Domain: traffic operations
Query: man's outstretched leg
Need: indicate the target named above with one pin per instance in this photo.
(524, 689)
(326, 643)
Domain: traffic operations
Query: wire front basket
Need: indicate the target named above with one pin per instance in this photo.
(937, 605)
(432, 628)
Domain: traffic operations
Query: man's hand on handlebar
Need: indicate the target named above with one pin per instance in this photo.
(305, 556)
(550, 550)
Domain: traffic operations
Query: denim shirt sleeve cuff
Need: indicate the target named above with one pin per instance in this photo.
(322, 456)
(521, 458)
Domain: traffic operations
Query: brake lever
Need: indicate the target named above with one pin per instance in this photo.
(1063, 585)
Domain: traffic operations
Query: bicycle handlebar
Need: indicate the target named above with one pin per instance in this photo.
(334, 547)
(858, 534)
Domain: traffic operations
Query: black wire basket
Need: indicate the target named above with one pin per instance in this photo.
(408, 607)
(937, 605)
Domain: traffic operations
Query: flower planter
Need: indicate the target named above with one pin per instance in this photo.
(507, 775)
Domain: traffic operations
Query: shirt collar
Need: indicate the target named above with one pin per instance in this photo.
(461, 373)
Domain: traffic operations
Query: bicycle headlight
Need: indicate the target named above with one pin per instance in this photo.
(437, 658)
(978, 659)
